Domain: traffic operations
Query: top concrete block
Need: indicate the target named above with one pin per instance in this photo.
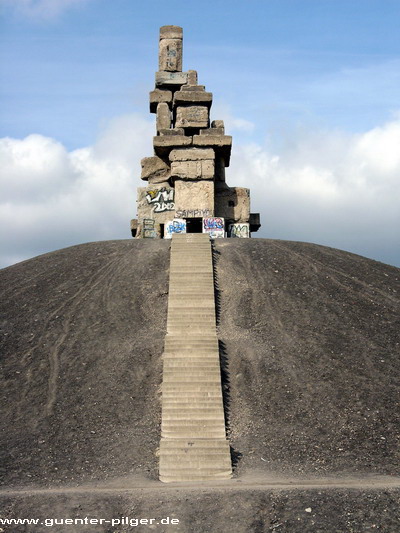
(171, 32)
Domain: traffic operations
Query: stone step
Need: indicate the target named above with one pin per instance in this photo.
(197, 363)
(190, 310)
(170, 406)
(190, 346)
(199, 462)
(193, 355)
(200, 444)
(207, 429)
(177, 378)
(192, 371)
(188, 416)
(185, 309)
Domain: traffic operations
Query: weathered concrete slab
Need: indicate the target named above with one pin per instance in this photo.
(177, 225)
(192, 97)
(192, 77)
(191, 154)
(167, 79)
(194, 198)
(172, 131)
(239, 230)
(171, 32)
(156, 201)
(165, 143)
(214, 227)
(217, 124)
(159, 96)
(213, 131)
(233, 203)
(170, 55)
(192, 117)
(222, 144)
(154, 170)
(193, 170)
(193, 87)
(163, 120)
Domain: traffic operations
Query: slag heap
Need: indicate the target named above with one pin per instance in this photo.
(186, 191)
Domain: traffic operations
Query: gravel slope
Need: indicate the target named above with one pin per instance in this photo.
(310, 351)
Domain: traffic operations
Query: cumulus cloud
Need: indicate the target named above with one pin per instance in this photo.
(325, 187)
(53, 198)
(329, 188)
(41, 9)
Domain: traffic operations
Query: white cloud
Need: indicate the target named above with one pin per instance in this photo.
(231, 122)
(325, 187)
(52, 198)
(42, 9)
(329, 188)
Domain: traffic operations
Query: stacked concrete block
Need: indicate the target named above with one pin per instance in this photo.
(192, 164)
(191, 152)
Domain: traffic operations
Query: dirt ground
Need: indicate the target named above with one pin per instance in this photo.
(310, 359)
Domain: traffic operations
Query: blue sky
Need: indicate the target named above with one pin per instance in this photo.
(309, 90)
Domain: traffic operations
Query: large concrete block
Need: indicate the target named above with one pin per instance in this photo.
(191, 154)
(212, 131)
(159, 96)
(233, 204)
(214, 226)
(193, 87)
(154, 170)
(163, 116)
(156, 202)
(192, 117)
(219, 169)
(217, 124)
(178, 225)
(172, 131)
(192, 77)
(165, 143)
(170, 79)
(239, 230)
(192, 98)
(193, 170)
(170, 55)
(194, 199)
(222, 144)
(171, 32)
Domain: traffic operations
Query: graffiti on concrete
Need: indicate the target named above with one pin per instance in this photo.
(149, 231)
(162, 199)
(214, 226)
(213, 223)
(193, 213)
(241, 231)
(175, 226)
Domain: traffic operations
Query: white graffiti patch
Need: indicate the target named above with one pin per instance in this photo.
(162, 199)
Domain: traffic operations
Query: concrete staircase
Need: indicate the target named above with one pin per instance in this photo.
(193, 443)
